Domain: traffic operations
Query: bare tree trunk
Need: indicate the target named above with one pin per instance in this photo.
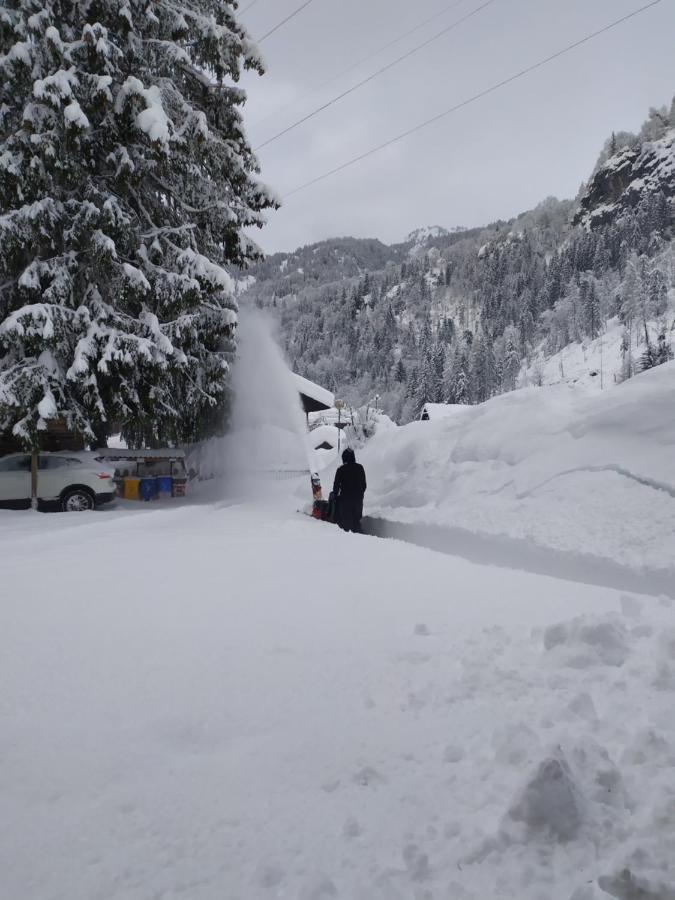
(34, 480)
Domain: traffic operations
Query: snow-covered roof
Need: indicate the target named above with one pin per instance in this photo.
(443, 410)
(320, 395)
(328, 434)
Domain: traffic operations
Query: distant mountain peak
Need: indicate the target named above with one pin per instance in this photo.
(420, 236)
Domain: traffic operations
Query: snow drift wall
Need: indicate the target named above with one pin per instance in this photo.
(592, 475)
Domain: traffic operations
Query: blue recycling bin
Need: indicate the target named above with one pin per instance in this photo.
(148, 489)
(165, 485)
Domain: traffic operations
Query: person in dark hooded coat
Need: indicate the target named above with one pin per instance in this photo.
(349, 488)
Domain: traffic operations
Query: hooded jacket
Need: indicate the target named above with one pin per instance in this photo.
(350, 478)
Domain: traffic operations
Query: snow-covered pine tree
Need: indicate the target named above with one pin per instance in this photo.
(483, 369)
(511, 362)
(664, 352)
(590, 307)
(125, 181)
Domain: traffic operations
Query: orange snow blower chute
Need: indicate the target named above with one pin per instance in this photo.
(324, 510)
(317, 496)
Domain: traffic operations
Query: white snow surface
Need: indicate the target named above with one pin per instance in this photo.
(556, 467)
(207, 701)
(210, 699)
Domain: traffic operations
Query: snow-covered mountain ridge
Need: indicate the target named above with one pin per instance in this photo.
(420, 236)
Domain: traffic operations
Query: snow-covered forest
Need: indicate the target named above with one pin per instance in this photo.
(461, 316)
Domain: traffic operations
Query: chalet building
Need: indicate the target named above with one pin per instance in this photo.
(56, 437)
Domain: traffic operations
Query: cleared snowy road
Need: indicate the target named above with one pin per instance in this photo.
(525, 555)
(230, 703)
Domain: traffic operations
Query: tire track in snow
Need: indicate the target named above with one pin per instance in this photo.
(513, 553)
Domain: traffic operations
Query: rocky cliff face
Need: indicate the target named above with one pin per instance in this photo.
(630, 176)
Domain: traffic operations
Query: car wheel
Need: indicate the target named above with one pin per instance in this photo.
(77, 500)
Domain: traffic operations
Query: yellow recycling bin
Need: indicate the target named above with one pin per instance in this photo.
(131, 488)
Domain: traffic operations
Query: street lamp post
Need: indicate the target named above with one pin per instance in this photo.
(339, 405)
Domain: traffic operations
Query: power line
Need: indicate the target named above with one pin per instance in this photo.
(283, 21)
(246, 8)
(360, 62)
(376, 74)
(474, 98)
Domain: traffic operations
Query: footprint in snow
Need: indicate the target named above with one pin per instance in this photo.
(351, 828)
(582, 706)
(452, 830)
(329, 787)
(369, 777)
(631, 607)
(320, 888)
(417, 863)
(414, 657)
(270, 876)
(453, 754)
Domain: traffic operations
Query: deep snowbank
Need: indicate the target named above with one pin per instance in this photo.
(587, 474)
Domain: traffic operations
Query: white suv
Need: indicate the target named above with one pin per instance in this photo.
(64, 482)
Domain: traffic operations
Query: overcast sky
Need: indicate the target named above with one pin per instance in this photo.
(500, 156)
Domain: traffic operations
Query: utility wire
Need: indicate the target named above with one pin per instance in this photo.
(246, 8)
(475, 97)
(360, 62)
(376, 74)
(283, 21)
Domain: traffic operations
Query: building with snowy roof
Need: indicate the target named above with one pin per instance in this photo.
(314, 398)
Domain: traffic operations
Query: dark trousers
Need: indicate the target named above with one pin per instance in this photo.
(350, 512)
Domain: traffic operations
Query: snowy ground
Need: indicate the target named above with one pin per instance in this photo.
(205, 700)
(237, 703)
